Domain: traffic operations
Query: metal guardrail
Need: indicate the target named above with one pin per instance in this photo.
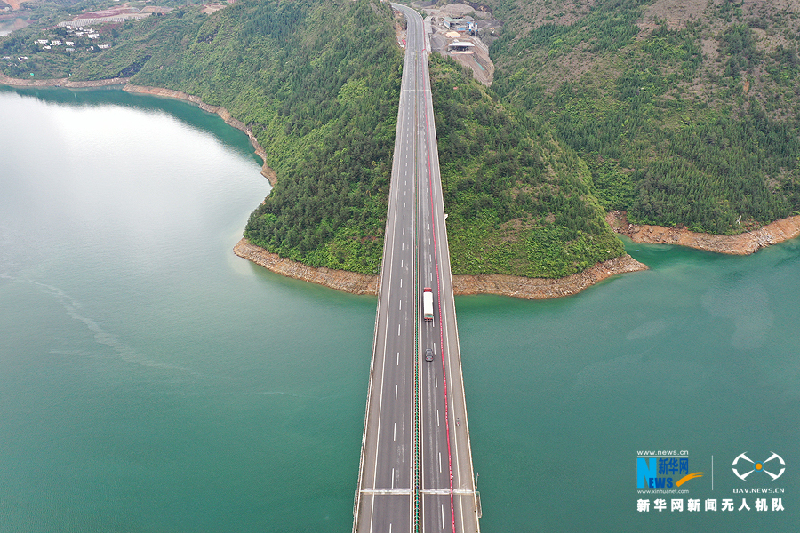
(357, 502)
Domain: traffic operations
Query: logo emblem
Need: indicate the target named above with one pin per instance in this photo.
(663, 472)
(757, 466)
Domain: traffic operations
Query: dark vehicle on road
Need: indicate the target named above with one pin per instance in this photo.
(429, 355)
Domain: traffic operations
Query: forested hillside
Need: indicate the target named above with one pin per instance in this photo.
(687, 112)
(318, 82)
(517, 201)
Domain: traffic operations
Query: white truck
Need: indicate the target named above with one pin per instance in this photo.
(427, 304)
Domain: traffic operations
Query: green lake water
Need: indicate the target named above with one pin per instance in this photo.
(151, 381)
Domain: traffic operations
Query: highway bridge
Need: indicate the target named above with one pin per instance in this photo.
(416, 470)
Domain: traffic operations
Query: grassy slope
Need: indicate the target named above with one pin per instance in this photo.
(687, 121)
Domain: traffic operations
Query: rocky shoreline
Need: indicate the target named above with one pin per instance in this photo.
(743, 244)
(266, 171)
(341, 280)
(540, 288)
(60, 82)
(515, 286)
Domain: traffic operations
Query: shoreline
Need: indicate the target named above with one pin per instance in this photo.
(743, 244)
(223, 113)
(341, 280)
(504, 285)
(500, 284)
(463, 285)
(60, 82)
(544, 288)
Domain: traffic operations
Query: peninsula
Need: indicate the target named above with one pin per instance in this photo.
(666, 123)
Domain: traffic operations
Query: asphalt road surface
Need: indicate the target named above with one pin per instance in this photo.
(406, 457)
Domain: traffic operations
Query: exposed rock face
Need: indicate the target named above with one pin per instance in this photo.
(537, 288)
(335, 279)
(743, 244)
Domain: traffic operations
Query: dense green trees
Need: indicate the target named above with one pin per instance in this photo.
(673, 136)
(518, 203)
(318, 83)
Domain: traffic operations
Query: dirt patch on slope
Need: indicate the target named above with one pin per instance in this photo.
(475, 55)
(676, 13)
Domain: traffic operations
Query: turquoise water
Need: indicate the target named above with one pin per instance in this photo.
(152, 381)
(149, 379)
(700, 353)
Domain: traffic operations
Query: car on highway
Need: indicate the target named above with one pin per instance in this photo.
(429, 355)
